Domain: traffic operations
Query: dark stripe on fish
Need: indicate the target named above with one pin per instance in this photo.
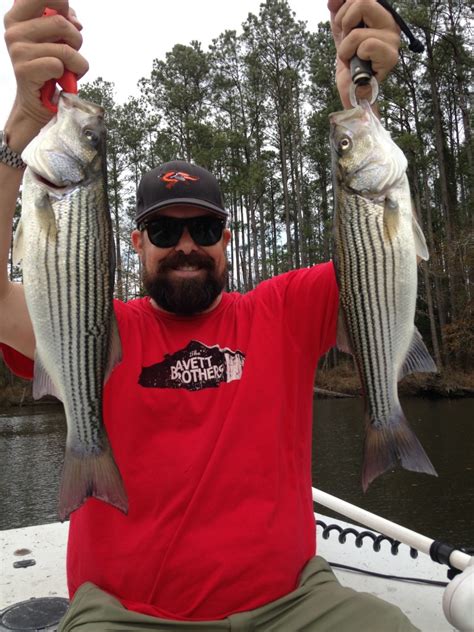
(348, 275)
(372, 372)
(84, 287)
(386, 316)
(375, 325)
(57, 294)
(46, 271)
(362, 333)
(389, 313)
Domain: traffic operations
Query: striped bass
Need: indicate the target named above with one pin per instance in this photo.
(376, 241)
(65, 242)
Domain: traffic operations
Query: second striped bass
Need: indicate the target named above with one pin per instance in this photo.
(376, 242)
(65, 243)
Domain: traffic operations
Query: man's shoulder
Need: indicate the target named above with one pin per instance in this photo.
(132, 310)
(137, 305)
(318, 273)
(300, 285)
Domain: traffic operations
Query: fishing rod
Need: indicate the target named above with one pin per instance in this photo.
(458, 598)
(443, 553)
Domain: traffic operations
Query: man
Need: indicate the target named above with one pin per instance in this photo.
(209, 412)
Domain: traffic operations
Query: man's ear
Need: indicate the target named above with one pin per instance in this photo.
(226, 235)
(137, 241)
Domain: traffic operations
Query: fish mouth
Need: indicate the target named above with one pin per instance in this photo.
(377, 197)
(52, 186)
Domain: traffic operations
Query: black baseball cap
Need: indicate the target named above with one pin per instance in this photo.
(178, 182)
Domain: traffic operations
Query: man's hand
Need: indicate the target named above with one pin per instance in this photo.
(40, 48)
(379, 42)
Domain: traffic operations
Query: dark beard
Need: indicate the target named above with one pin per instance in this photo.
(185, 297)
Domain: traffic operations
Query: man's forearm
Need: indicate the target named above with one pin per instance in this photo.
(15, 325)
(20, 131)
(10, 180)
(39, 50)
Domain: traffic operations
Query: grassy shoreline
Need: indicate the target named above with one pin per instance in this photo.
(341, 380)
(448, 383)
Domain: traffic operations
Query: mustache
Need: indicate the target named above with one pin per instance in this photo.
(178, 259)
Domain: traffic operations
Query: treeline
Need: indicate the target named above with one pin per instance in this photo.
(254, 108)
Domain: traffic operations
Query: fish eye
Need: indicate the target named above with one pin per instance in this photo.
(345, 144)
(91, 136)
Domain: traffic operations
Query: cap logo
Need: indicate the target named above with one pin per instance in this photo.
(173, 177)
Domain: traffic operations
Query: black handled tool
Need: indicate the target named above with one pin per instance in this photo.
(362, 75)
(361, 69)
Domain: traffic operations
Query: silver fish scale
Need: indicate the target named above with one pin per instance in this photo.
(73, 307)
(367, 257)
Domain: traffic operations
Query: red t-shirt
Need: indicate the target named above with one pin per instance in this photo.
(209, 419)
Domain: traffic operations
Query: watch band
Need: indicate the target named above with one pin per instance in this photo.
(7, 155)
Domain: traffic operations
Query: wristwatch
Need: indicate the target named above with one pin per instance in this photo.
(7, 155)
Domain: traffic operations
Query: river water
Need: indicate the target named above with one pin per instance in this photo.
(32, 447)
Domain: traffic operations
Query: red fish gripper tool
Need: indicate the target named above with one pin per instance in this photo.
(68, 82)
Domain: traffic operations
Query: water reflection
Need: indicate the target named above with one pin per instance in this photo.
(32, 451)
(31, 456)
(440, 507)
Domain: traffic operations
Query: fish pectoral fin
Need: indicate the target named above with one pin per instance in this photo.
(391, 204)
(420, 241)
(45, 216)
(390, 443)
(418, 359)
(343, 342)
(42, 383)
(18, 244)
(115, 347)
(391, 217)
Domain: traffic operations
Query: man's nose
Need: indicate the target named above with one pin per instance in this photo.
(186, 243)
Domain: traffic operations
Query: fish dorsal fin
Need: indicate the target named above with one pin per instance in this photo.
(42, 383)
(115, 347)
(18, 247)
(343, 342)
(418, 359)
(420, 241)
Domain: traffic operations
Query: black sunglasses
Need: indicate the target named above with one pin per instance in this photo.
(165, 232)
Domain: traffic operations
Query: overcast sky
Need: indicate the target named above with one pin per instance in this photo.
(121, 43)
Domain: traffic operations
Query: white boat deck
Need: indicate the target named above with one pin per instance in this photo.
(421, 603)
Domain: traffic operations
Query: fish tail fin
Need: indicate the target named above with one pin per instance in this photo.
(87, 475)
(391, 443)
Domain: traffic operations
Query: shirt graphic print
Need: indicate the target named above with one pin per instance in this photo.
(195, 367)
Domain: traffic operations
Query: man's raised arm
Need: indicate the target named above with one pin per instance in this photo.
(40, 49)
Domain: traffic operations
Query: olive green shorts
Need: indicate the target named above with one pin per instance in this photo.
(319, 603)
